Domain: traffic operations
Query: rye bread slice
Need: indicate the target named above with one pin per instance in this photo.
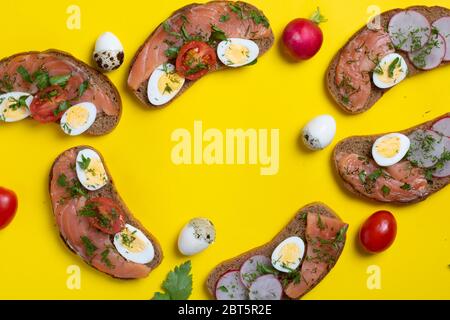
(362, 145)
(103, 123)
(141, 93)
(110, 191)
(296, 227)
(431, 13)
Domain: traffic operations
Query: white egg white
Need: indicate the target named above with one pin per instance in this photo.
(13, 98)
(277, 264)
(70, 128)
(142, 256)
(196, 236)
(251, 46)
(380, 75)
(108, 42)
(384, 161)
(319, 132)
(82, 173)
(155, 96)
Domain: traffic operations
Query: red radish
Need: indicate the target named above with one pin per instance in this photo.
(426, 148)
(442, 126)
(230, 287)
(444, 170)
(266, 287)
(409, 30)
(431, 55)
(249, 269)
(443, 26)
(303, 37)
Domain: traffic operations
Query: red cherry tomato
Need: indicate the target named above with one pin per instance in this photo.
(109, 218)
(8, 206)
(195, 60)
(378, 232)
(46, 104)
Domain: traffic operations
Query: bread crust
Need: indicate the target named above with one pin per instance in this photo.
(104, 123)
(296, 227)
(362, 145)
(110, 191)
(431, 13)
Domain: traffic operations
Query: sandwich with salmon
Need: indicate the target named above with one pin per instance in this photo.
(194, 41)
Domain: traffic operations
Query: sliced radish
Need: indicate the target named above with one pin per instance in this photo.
(431, 55)
(444, 170)
(443, 27)
(409, 30)
(426, 148)
(266, 287)
(442, 126)
(230, 287)
(249, 270)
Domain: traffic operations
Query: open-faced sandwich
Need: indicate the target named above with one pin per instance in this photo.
(94, 222)
(400, 167)
(193, 41)
(288, 266)
(405, 43)
(53, 86)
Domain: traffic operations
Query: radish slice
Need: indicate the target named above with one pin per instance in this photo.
(443, 26)
(249, 270)
(426, 148)
(266, 287)
(230, 287)
(431, 55)
(442, 126)
(409, 30)
(444, 170)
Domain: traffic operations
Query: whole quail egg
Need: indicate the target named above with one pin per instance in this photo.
(108, 52)
(196, 236)
(319, 132)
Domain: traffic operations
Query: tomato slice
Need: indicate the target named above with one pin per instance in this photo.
(46, 104)
(195, 60)
(109, 216)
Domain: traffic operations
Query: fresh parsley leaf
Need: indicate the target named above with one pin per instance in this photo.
(88, 245)
(386, 190)
(105, 259)
(224, 18)
(24, 74)
(89, 210)
(375, 175)
(392, 67)
(320, 224)
(84, 163)
(59, 80)
(42, 79)
(236, 9)
(172, 52)
(62, 180)
(217, 34)
(63, 106)
(83, 87)
(258, 18)
(199, 67)
(223, 289)
(406, 186)
(362, 176)
(178, 284)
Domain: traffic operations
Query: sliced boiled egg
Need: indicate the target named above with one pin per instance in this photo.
(78, 118)
(196, 236)
(237, 52)
(288, 254)
(90, 170)
(390, 149)
(15, 106)
(133, 245)
(164, 84)
(391, 70)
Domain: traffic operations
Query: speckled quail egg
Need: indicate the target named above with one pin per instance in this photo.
(108, 52)
(319, 132)
(196, 236)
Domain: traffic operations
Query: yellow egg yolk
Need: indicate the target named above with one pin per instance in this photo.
(95, 173)
(131, 242)
(385, 77)
(169, 82)
(388, 147)
(13, 113)
(237, 54)
(77, 116)
(289, 254)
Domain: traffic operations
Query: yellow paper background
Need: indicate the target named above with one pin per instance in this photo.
(247, 209)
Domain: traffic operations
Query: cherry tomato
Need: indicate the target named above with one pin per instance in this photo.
(110, 218)
(378, 232)
(195, 59)
(8, 206)
(46, 104)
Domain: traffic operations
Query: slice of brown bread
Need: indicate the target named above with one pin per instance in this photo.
(431, 13)
(296, 227)
(264, 45)
(110, 191)
(103, 123)
(362, 145)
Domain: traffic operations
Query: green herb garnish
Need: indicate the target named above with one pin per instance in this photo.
(63, 106)
(83, 87)
(84, 163)
(406, 186)
(386, 190)
(59, 80)
(178, 284)
(88, 245)
(394, 64)
(62, 180)
(105, 258)
(24, 74)
(224, 18)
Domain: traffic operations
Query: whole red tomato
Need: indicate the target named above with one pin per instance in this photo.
(8, 206)
(378, 232)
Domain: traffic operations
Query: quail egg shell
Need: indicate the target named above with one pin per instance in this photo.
(133, 245)
(390, 149)
(164, 84)
(391, 70)
(288, 254)
(78, 118)
(90, 170)
(15, 106)
(108, 52)
(319, 132)
(237, 52)
(196, 236)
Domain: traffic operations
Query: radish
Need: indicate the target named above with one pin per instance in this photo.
(431, 55)
(266, 287)
(409, 30)
(426, 148)
(443, 170)
(442, 126)
(230, 287)
(443, 26)
(303, 37)
(249, 269)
